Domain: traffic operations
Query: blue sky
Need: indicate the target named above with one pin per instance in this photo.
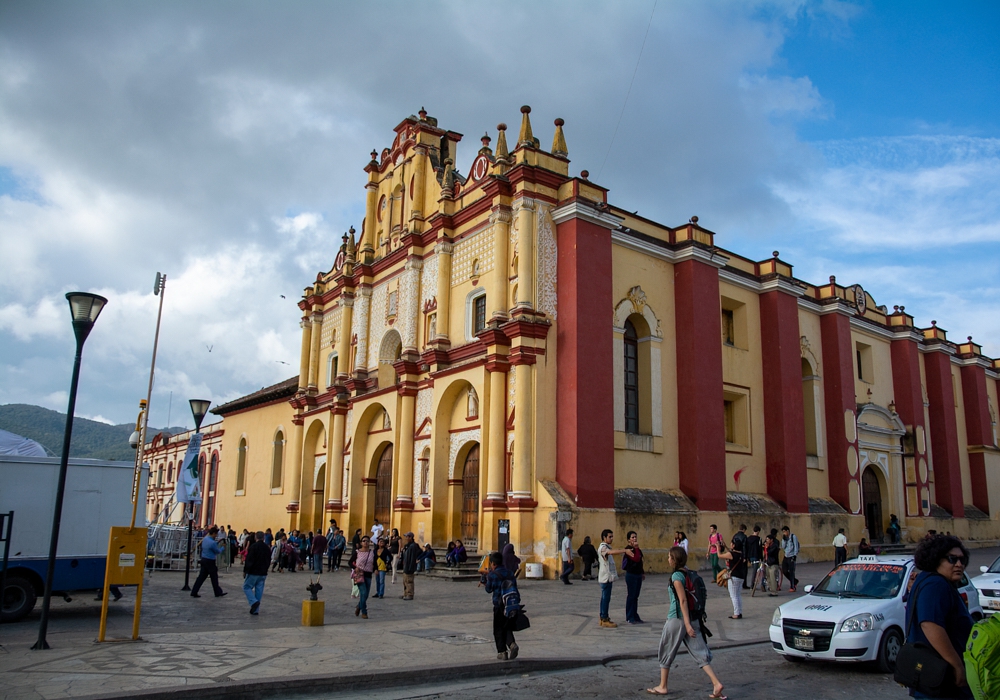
(223, 144)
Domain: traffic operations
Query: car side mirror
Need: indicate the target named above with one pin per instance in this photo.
(808, 589)
(984, 569)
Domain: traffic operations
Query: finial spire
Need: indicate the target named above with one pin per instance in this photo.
(559, 140)
(502, 151)
(486, 144)
(525, 138)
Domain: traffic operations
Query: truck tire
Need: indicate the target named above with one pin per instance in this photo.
(18, 598)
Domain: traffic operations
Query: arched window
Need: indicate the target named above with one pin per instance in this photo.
(389, 352)
(241, 467)
(475, 313)
(210, 484)
(331, 369)
(631, 379)
(277, 460)
(170, 473)
(159, 476)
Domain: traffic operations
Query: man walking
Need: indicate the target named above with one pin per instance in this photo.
(411, 552)
(771, 561)
(607, 574)
(337, 546)
(210, 550)
(255, 571)
(319, 545)
(754, 553)
(790, 545)
(377, 530)
(566, 548)
(839, 548)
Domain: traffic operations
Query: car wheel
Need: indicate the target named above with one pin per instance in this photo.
(888, 650)
(18, 599)
(793, 659)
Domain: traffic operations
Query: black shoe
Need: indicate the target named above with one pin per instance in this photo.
(254, 608)
(219, 595)
(195, 595)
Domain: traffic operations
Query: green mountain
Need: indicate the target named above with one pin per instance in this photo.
(91, 439)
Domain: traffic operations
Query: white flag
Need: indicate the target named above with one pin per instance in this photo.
(188, 480)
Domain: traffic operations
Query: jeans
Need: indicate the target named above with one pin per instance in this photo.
(317, 558)
(363, 588)
(425, 565)
(208, 569)
(606, 599)
(253, 588)
(503, 629)
(379, 584)
(789, 569)
(752, 567)
(736, 595)
(567, 569)
(633, 583)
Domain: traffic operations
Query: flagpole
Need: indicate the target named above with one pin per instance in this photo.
(159, 289)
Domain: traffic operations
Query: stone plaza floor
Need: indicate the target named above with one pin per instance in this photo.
(213, 646)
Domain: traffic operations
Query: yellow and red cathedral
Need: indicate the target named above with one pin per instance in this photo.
(508, 350)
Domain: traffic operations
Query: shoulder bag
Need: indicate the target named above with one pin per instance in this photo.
(920, 667)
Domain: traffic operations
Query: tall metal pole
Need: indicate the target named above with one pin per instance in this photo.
(188, 505)
(60, 492)
(159, 288)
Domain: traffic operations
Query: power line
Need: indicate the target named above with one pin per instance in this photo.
(627, 94)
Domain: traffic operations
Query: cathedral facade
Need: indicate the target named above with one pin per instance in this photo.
(501, 355)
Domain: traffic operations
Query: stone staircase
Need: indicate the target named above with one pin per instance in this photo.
(469, 571)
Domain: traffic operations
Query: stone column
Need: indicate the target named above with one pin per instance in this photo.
(419, 173)
(498, 298)
(496, 461)
(404, 476)
(443, 251)
(841, 405)
(317, 336)
(344, 334)
(335, 458)
(944, 430)
(295, 452)
(983, 454)
(909, 400)
(524, 421)
(525, 209)
(306, 325)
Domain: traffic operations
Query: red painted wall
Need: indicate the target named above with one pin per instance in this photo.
(944, 433)
(908, 396)
(838, 393)
(784, 417)
(585, 447)
(701, 416)
(978, 430)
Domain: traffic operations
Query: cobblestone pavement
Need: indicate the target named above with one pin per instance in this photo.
(749, 673)
(214, 641)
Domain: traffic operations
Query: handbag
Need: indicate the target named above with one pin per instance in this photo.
(355, 591)
(920, 667)
(521, 621)
(722, 580)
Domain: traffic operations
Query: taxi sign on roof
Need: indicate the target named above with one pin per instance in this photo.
(868, 557)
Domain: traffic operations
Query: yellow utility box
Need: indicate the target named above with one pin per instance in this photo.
(313, 612)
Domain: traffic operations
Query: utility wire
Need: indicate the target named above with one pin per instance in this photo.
(627, 94)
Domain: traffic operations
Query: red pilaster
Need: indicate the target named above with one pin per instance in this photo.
(839, 399)
(701, 422)
(978, 430)
(784, 418)
(910, 408)
(944, 433)
(585, 448)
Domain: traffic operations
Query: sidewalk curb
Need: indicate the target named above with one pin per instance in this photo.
(294, 685)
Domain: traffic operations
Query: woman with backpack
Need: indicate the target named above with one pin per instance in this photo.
(679, 627)
(502, 583)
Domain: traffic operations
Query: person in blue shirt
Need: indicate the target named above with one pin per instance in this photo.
(210, 549)
(503, 626)
(941, 619)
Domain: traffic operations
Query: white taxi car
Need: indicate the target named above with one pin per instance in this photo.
(988, 585)
(856, 613)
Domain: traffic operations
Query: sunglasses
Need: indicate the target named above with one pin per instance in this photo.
(952, 559)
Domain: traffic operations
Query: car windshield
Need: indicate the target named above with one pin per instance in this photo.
(995, 567)
(863, 581)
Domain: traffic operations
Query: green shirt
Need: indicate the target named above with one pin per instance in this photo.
(675, 605)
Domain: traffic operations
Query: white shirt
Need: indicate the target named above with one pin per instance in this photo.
(567, 552)
(840, 540)
(683, 543)
(377, 531)
(607, 572)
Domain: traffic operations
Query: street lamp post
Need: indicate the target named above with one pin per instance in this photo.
(199, 407)
(85, 308)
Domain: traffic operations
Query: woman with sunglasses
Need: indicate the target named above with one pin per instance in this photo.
(941, 619)
(364, 566)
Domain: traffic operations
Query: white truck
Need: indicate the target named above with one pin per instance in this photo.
(98, 495)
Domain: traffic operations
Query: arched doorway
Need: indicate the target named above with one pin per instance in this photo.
(871, 495)
(470, 500)
(383, 487)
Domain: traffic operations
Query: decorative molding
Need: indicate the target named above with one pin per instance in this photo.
(739, 280)
(331, 323)
(478, 246)
(782, 285)
(546, 266)
(868, 327)
(459, 440)
(359, 326)
(377, 322)
(589, 213)
(409, 306)
(428, 281)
